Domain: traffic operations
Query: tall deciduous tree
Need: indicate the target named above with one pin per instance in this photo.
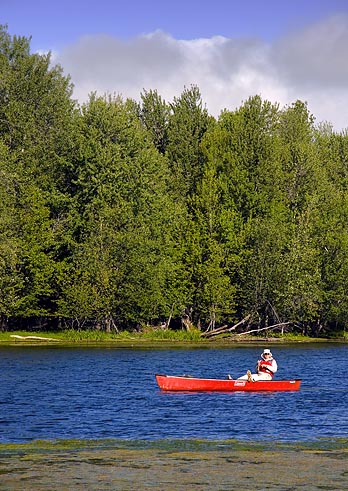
(11, 280)
(188, 122)
(125, 251)
(330, 225)
(154, 114)
(301, 290)
(36, 114)
(253, 174)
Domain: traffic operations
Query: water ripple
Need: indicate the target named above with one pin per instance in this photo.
(111, 393)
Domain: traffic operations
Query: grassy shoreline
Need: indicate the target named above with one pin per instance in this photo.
(149, 339)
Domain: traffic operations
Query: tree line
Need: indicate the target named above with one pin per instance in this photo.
(116, 214)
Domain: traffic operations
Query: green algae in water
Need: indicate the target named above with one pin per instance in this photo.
(166, 464)
(170, 445)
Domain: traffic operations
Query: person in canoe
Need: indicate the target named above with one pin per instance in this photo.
(266, 367)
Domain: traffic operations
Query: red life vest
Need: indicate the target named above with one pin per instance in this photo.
(264, 367)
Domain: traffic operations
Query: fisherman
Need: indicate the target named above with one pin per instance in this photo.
(266, 367)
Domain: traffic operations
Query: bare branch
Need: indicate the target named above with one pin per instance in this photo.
(264, 328)
(223, 329)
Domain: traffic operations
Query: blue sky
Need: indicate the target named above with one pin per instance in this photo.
(56, 23)
(283, 50)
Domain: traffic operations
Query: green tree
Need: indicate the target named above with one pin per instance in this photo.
(11, 281)
(302, 291)
(250, 161)
(188, 122)
(330, 231)
(210, 245)
(125, 252)
(36, 117)
(154, 114)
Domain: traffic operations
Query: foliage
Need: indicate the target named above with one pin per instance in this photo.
(147, 333)
(116, 215)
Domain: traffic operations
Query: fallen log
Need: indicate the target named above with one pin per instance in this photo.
(265, 328)
(40, 338)
(223, 329)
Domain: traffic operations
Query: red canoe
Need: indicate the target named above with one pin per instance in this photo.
(187, 383)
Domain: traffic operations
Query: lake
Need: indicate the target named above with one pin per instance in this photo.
(52, 393)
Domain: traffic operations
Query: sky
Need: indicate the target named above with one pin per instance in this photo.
(282, 50)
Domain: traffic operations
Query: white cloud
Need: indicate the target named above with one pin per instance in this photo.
(316, 56)
(310, 65)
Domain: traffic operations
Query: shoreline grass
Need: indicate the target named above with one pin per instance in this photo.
(149, 337)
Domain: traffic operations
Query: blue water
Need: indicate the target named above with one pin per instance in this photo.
(58, 393)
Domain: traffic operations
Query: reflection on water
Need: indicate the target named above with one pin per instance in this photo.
(51, 393)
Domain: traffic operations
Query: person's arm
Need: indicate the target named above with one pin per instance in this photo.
(274, 366)
(271, 365)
